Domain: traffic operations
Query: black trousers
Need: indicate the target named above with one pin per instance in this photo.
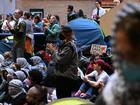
(65, 87)
(62, 92)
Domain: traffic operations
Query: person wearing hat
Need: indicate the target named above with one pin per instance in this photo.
(66, 59)
(98, 12)
(16, 93)
(94, 81)
(38, 64)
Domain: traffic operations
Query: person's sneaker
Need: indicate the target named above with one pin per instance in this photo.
(85, 96)
(77, 94)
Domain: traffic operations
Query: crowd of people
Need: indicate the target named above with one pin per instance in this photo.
(60, 71)
(26, 75)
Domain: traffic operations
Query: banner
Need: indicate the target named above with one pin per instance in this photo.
(100, 49)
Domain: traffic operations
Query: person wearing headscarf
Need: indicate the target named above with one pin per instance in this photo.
(6, 76)
(24, 65)
(16, 93)
(7, 73)
(7, 59)
(38, 64)
(123, 86)
(21, 75)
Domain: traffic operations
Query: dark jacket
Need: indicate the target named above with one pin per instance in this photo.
(64, 66)
(19, 100)
(66, 61)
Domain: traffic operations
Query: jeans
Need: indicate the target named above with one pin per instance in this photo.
(87, 88)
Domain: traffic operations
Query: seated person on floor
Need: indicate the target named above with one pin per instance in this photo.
(93, 82)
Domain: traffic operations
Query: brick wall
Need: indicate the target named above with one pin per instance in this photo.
(58, 7)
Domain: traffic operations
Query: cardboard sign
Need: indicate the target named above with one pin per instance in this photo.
(100, 49)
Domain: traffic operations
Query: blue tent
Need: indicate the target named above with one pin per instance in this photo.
(87, 32)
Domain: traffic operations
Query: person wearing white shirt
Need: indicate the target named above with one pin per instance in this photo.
(93, 82)
(98, 12)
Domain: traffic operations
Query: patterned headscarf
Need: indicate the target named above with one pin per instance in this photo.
(15, 88)
(123, 87)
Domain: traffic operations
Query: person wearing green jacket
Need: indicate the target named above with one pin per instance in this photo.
(52, 31)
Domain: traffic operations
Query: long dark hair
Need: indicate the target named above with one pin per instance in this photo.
(81, 13)
(38, 18)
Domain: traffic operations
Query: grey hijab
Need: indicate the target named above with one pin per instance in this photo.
(36, 59)
(22, 62)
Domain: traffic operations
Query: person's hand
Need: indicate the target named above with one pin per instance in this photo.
(94, 16)
(46, 27)
(101, 86)
(8, 25)
(85, 78)
(52, 47)
(97, 17)
(33, 25)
